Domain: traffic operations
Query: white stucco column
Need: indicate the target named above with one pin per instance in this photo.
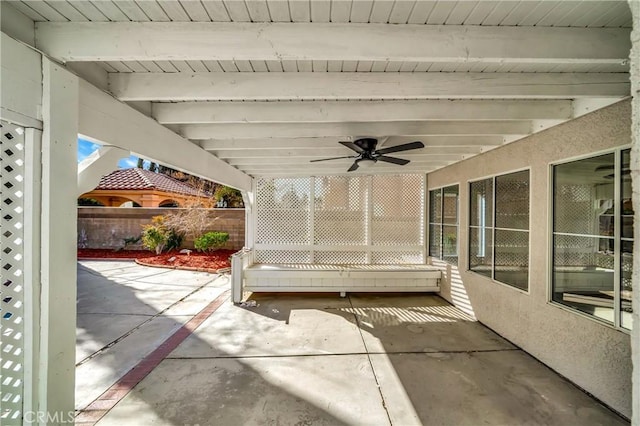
(249, 211)
(58, 241)
(635, 167)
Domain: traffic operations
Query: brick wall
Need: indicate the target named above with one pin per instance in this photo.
(107, 227)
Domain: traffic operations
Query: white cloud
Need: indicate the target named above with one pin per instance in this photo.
(129, 162)
(86, 148)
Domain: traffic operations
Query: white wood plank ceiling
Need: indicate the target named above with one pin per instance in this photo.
(268, 85)
(546, 13)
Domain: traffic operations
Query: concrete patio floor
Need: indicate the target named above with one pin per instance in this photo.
(305, 359)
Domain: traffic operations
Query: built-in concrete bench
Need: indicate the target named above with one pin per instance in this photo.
(341, 278)
(330, 278)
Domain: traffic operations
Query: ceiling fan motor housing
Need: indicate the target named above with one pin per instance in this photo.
(368, 144)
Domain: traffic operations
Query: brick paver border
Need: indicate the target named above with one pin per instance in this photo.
(105, 402)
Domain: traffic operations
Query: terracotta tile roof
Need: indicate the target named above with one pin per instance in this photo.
(139, 179)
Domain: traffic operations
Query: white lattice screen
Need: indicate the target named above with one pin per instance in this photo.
(340, 220)
(11, 290)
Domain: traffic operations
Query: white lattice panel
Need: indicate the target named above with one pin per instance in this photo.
(398, 210)
(282, 208)
(340, 210)
(340, 220)
(340, 257)
(282, 257)
(11, 291)
(397, 257)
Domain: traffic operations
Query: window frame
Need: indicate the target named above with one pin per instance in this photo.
(493, 229)
(617, 153)
(442, 224)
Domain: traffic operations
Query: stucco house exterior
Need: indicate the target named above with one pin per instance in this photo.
(146, 189)
(518, 207)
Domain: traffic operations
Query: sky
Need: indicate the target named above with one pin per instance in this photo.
(86, 148)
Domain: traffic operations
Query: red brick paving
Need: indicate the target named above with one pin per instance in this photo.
(105, 402)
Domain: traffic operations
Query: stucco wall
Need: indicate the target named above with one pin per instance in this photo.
(594, 356)
(106, 227)
(635, 173)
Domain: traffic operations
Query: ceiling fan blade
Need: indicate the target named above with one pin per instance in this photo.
(352, 146)
(353, 167)
(403, 147)
(333, 158)
(394, 160)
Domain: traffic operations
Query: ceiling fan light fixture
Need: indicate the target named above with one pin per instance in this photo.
(365, 163)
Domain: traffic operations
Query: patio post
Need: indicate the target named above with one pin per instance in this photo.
(635, 170)
(249, 204)
(55, 394)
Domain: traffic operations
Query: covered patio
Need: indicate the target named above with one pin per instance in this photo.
(516, 206)
(396, 359)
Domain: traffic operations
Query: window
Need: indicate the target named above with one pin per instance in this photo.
(499, 228)
(443, 224)
(593, 237)
(481, 227)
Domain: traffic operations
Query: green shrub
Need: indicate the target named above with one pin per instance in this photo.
(128, 241)
(211, 241)
(158, 236)
(154, 238)
(155, 235)
(174, 240)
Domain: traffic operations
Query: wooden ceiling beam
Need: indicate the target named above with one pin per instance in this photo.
(359, 111)
(395, 128)
(263, 86)
(166, 41)
(332, 142)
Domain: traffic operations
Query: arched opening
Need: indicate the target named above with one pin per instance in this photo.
(130, 203)
(169, 203)
(89, 202)
(118, 201)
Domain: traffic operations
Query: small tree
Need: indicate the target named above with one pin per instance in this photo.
(192, 220)
(233, 197)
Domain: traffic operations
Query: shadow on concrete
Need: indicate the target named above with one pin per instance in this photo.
(455, 371)
(436, 365)
(320, 359)
(178, 391)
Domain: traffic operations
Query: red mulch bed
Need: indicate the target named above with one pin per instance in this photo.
(199, 261)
